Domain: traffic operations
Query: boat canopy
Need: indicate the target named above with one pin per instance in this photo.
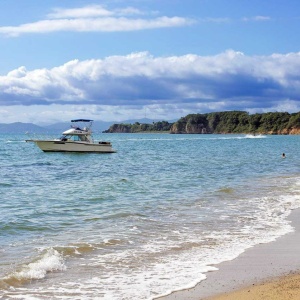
(81, 120)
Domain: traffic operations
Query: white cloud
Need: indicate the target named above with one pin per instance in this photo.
(287, 105)
(82, 12)
(256, 19)
(125, 85)
(92, 11)
(94, 25)
(20, 72)
(94, 18)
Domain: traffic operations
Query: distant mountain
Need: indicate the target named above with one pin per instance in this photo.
(58, 128)
(19, 128)
(98, 126)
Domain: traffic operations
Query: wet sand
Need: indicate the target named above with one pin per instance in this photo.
(270, 266)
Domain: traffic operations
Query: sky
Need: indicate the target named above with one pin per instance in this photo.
(160, 59)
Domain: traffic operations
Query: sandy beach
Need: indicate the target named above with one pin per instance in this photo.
(267, 271)
(284, 288)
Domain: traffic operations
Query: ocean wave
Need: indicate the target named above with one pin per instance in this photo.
(79, 249)
(3, 184)
(14, 141)
(50, 261)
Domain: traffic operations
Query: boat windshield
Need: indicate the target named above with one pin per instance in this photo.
(76, 138)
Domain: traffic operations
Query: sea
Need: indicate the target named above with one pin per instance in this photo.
(152, 218)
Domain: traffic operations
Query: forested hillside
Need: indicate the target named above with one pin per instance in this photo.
(140, 127)
(221, 122)
(239, 122)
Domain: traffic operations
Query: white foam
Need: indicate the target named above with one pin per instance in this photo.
(51, 261)
(252, 136)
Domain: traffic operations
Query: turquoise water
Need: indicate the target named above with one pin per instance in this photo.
(152, 218)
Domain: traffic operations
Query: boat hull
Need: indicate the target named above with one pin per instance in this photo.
(70, 146)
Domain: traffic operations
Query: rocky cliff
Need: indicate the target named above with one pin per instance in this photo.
(119, 128)
(285, 131)
(189, 128)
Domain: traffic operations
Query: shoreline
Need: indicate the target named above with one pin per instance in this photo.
(263, 264)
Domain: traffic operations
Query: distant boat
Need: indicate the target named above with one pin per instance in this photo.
(254, 136)
(75, 139)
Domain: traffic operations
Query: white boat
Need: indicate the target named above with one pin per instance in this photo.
(75, 139)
